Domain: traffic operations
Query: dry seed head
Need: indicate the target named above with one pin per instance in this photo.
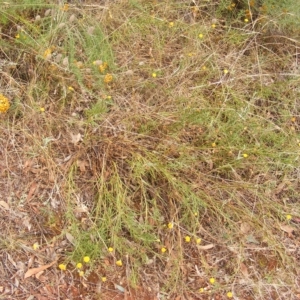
(72, 18)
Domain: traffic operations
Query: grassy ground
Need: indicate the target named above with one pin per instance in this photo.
(150, 151)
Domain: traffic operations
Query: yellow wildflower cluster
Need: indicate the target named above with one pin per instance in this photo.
(4, 104)
(108, 78)
(65, 7)
(103, 67)
(86, 259)
(63, 267)
(35, 246)
(47, 53)
(119, 263)
(170, 225)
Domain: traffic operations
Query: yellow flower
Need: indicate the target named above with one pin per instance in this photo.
(170, 225)
(47, 53)
(195, 214)
(229, 295)
(198, 241)
(187, 239)
(103, 279)
(65, 7)
(213, 26)
(4, 104)
(103, 67)
(119, 263)
(201, 36)
(70, 88)
(226, 71)
(110, 249)
(212, 280)
(204, 68)
(171, 24)
(62, 267)
(79, 265)
(81, 273)
(245, 155)
(163, 250)
(213, 145)
(288, 217)
(42, 109)
(108, 78)
(86, 259)
(246, 20)
(201, 290)
(154, 75)
(35, 246)
(17, 36)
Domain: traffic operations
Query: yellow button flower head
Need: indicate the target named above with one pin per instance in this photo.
(246, 20)
(4, 104)
(47, 53)
(119, 263)
(245, 155)
(108, 78)
(288, 217)
(110, 249)
(229, 295)
(103, 67)
(103, 279)
(201, 36)
(225, 71)
(198, 241)
(35, 246)
(79, 266)
(163, 250)
(154, 75)
(86, 259)
(63, 267)
(65, 7)
(187, 239)
(171, 24)
(212, 280)
(170, 225)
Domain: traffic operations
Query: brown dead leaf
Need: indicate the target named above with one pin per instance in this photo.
(31, 191)
(4, 205)
(206, 247)
(82, 165)
(70, 238)
(287, 228)
(34, 271)
(38, 275)
(244, 270)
